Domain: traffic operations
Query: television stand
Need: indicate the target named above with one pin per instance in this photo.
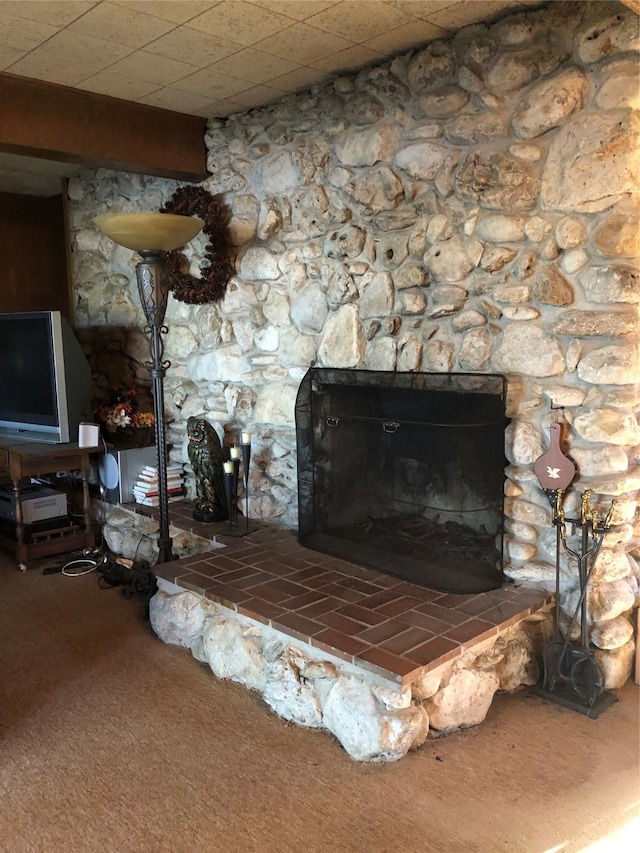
(22, 459)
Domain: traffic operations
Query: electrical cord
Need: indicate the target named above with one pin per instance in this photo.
(89, 566)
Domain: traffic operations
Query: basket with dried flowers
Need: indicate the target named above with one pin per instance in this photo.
(121, 421)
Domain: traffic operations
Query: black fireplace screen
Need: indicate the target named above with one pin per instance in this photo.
(404, 472)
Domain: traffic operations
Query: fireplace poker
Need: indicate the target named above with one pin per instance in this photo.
(583, 674)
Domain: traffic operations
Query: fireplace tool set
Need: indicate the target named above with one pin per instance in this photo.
(571, 676)
(231, 479)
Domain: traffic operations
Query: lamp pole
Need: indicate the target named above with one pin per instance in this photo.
(153, 288)
(152, 235)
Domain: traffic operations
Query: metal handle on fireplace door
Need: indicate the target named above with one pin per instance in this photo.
(390, 426)
(332, 422)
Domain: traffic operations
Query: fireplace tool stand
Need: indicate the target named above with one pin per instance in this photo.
(571, 676)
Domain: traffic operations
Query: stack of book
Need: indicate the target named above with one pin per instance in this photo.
(145, 490)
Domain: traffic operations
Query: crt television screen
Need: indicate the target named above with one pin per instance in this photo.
(27, 377)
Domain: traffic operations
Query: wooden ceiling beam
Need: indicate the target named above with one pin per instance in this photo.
(39, 119)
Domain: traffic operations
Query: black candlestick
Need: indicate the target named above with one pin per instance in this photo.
(228, 486)
(235, 458)
(245, 445)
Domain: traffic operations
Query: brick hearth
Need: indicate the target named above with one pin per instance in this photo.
(375, 621)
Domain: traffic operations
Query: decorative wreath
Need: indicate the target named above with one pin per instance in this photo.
(196, 201)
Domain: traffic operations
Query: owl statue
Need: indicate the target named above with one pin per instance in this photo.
(206, 456)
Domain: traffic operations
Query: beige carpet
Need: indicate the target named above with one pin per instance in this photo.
(111, 741)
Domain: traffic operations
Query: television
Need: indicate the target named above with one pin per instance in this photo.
(45, 378)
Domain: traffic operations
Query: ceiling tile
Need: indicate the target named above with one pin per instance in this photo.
(212, 85)
(173, 99)
(187, 45)
(121, 25)
(254, 65)
(241, 22)
(41, 65)
(258, 95)
(176, 11)
(345, 60)
(117, 85)
(221, 109)
(358, 21)
(9, 55)
(297, 80)
(421, 8)
(299, 10)
(22, 34)
(147, 67)
(85, 50)
(462, 13)
(58, 13)
(303, 44)
(402, 38)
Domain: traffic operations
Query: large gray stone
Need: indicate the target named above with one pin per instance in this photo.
(615, 34)
(475, 350)
(607, 425)
(376, 296)
(421, 160)
(378, 189)
(514, 69)
(609, 284)
(617, 236)
(500, 228)
(343, 343)
(528, 350)
(616, 664)
(592, 162)
(448, 261)
(367, 730)
(310, 309)
(463, 701)
(551, 288)
(611, 365)
(287, 693)
(365, 147)
(619, 324)
(549, 103)
(443, 102)
(234, 651)
(497, 181)
(177, 619)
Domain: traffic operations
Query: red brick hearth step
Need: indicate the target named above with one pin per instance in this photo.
(380, 623)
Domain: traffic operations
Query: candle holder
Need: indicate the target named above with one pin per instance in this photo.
(228, 488)
(245, 446)
(235, 454)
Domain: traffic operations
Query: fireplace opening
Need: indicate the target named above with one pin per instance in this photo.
(404, 473)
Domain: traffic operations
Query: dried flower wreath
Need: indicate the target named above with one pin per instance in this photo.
(196, 201)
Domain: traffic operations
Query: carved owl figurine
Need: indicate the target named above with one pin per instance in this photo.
(206, 456)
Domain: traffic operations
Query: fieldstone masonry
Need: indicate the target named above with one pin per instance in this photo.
(373, 719)
(471, 205)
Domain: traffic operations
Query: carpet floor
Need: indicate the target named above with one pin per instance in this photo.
(111, 741)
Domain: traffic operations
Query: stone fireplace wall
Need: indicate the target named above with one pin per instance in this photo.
(468, 206)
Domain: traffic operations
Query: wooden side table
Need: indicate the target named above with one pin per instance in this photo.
(23, 459)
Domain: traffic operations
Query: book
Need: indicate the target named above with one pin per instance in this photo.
(153, 493)
(156, 501)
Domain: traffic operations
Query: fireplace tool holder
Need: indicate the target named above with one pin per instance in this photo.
(571, 675)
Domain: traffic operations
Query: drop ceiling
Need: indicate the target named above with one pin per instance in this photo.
(206, 58)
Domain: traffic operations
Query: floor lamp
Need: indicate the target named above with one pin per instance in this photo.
(152, 235)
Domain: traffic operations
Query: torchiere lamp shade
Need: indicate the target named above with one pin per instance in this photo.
(151, 232)
(151, 235)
